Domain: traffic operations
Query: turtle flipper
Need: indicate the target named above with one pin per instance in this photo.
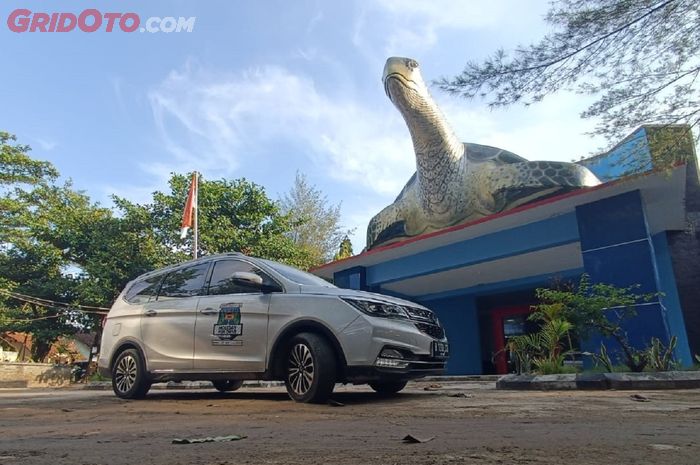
(520, 183)
(386, 225)
(393, 231)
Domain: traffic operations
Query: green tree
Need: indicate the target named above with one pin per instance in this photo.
(18, 171)
(56, 244)
(29, 264)
(315, 225)
(234, 215)
(35, 271)
(640, 57)
(16, 166)
(345, 249)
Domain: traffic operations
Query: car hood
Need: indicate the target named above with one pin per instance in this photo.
(336, 291)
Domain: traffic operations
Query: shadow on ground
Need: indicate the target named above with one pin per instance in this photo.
(346, 398)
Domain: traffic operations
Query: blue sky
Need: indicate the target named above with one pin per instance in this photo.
(261, 89)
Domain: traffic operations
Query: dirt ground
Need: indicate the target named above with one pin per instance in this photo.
(470, 422)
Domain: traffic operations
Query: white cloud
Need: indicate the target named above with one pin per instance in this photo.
(414, 26)
(549, 130)
(314, 21)
(209, 122)
(137, 194)
(218, 123)
(447, 13)
(47, 145)
(118, 88)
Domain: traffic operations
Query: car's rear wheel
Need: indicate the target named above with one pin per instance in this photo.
(227, 385)
(129, 378)
(388, 387)
(311, 368)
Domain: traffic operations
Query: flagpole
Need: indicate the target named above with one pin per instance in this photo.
(196, 214)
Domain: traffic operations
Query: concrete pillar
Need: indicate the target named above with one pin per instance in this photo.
(618, 250)
(459, 317)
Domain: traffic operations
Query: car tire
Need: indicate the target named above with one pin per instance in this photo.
(129, 378)
(310, 368)
(387, 388)
(227, 385)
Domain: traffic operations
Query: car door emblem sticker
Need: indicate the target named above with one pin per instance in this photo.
(228, 326)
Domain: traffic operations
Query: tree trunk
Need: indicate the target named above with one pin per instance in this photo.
(40, 350)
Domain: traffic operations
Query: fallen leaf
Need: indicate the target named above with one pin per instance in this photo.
(208, 439)
(410, 439)
(664, 447)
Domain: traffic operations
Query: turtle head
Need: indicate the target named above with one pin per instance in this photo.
(439, 153)
(401, 76)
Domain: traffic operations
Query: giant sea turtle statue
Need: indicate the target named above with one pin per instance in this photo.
(457, 182)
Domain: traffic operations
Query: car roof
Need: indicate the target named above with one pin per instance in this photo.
(195, 261)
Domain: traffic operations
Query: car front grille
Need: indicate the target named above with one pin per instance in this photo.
(426, 322)
(420, 314)
(434, 331)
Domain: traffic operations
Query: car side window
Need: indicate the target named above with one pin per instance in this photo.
(222, 278)
(144, 290)
(185, 282)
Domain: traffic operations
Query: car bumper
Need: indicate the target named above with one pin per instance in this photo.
(364, 339)
(414, 370)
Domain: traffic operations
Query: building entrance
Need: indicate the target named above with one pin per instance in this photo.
(506, 323)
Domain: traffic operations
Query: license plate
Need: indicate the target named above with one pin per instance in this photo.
(441, 349)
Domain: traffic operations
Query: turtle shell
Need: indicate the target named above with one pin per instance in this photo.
(481, 153)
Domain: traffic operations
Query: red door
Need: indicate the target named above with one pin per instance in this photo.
(507, 322)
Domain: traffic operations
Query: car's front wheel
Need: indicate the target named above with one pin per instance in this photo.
(129, 378)
(227, 385)
(388, 387)
(311, 368)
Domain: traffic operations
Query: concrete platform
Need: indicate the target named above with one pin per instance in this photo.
(602, 381)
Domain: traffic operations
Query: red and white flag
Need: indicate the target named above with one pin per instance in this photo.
(190, 206)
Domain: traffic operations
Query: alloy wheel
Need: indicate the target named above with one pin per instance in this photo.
(301, 369)
(125, 373)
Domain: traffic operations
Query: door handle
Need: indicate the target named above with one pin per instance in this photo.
(150, 313)
(209, 311)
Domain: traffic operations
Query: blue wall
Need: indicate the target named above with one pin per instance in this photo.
(352, 278)
(618, 250)
(630, 156)
(670, 299)
(530, 237)
(459, 317)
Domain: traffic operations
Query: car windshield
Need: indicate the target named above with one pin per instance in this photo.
(298, 276)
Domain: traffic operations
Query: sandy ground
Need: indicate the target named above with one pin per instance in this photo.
(470, 423)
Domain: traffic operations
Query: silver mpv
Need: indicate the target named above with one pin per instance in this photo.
(228, 318)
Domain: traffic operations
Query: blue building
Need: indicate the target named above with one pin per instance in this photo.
(639, 227)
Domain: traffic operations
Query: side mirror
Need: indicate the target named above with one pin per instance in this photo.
(243, 278)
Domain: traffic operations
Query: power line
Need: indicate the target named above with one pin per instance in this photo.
(30, 320)
(53, 302)
(41, 302)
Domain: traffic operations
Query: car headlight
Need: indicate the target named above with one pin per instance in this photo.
(371, 307)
